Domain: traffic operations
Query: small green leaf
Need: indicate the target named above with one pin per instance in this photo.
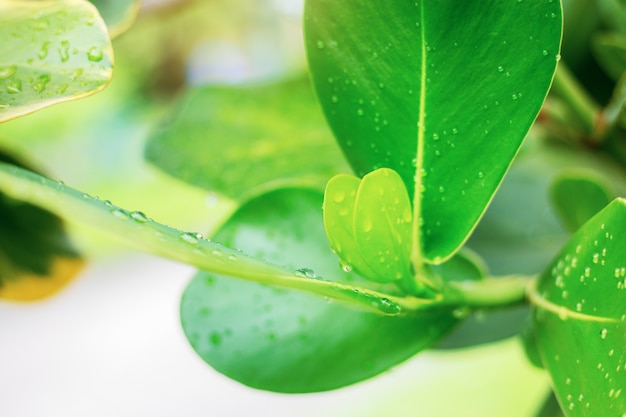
(368, 223)
(610, 51)
(286, 341)
(53, 51)
(580, 317)
(243, 140)
(117, 14)
(443, 92)
(577, 197)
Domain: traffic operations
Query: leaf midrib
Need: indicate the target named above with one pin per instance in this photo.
(417, 256)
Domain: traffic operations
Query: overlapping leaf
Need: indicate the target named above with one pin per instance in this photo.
(442, 92)
(286, 341)
(242, 140)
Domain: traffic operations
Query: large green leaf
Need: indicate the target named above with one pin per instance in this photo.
(287, 341)
(441, 91)
(138, 230)
(52, 51)
(580, 317)
(242, 140)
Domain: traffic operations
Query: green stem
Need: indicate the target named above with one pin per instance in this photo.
(582, 105)
(491, 292)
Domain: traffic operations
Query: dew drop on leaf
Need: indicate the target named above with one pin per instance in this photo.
(95, 54)
(7, 71)
(139, 217)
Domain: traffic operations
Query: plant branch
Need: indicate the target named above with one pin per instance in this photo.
(491, 292)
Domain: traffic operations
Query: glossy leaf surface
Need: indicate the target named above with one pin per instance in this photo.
(442, 92)
(577, 198)
(52, 51)
(136, 229)
(580, 317)
(287, 341)
(368, 223)
(242, 140)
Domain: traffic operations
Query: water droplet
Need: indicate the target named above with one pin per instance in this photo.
(217, 252)
(64, 51)
(76, 73)
(544, 52)
(191, 238)
(7, 71)
(481, 175)
(500, 68)
(603, 334)
(339, 197)
(139, 217)
(334, 99)
(359, 112)
(40, 84)
(595, 258)
(514, 96)
(320, 44)
(95, 54)
(14, 87)
(119, 213)
(305, 273)
(435, 136)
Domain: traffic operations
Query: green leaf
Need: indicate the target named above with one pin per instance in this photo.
(368, 223)
(577, 197)
(117, 14)
(610, 50)
(53, 51)
(442, 92)
(136, 229)
(243, 140)
(287, 341)
(580, 317)
(37, 258)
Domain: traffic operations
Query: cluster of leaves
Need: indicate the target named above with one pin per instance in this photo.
(430, 103)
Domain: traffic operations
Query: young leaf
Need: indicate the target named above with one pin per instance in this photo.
(243, 140)
(52, 51)
(368, 224)
(577, 198)
(580, 317)
(286, 341)
(443, 92)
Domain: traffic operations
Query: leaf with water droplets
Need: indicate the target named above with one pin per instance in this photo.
(577, 197)
(443, 92)
(288, 341)
(53, 51)
(368, 223)
(243, 140)
(579, 317)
